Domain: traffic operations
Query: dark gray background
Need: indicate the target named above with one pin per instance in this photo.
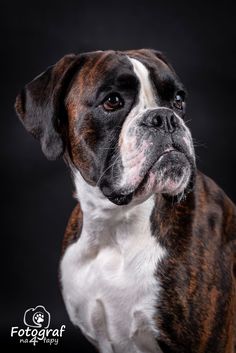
(199, 40)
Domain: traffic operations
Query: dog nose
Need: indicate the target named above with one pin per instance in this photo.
(163, 119)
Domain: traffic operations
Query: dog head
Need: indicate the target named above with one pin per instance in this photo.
(117, 118)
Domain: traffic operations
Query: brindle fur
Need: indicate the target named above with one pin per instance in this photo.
(196, 311)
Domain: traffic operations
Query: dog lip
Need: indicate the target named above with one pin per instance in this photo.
(142, 182)
(144, 179)
(120, 200)
(168, 150)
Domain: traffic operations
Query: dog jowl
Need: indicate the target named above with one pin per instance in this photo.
(149, 251)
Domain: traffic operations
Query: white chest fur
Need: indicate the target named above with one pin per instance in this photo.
(108, 280)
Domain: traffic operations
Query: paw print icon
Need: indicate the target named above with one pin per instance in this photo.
(37, 317)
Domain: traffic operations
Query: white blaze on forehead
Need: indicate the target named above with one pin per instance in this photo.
(145, 101)
(132, 153)
(146, 94)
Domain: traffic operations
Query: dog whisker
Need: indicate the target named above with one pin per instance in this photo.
(105, 171)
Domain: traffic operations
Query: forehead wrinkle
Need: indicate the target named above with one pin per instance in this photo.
(85, 82)
(95, 68)
(146, 93)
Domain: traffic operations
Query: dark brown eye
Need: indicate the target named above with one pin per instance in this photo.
(179, 102)
(113, 102)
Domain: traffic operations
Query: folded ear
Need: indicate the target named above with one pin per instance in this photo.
(162, 57)
(40, 105)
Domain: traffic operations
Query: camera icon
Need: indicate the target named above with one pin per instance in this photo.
(37, 317)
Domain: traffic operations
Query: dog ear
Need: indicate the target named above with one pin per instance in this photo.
(40, 105)
(162, 57)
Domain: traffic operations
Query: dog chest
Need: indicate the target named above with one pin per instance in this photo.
(110, 288)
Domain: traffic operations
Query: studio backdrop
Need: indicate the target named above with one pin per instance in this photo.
(37, 195)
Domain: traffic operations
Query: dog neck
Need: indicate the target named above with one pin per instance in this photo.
(103, 220)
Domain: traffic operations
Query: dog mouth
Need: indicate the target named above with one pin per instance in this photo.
(169, 174)
(146, 176)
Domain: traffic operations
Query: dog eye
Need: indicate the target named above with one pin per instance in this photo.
(113, 102)
(179, 102)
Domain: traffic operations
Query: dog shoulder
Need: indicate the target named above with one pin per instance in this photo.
(73, 229)
(217, 207)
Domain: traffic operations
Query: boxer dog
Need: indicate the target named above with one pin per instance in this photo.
(149, 255)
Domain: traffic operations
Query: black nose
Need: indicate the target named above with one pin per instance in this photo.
(163, 119)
